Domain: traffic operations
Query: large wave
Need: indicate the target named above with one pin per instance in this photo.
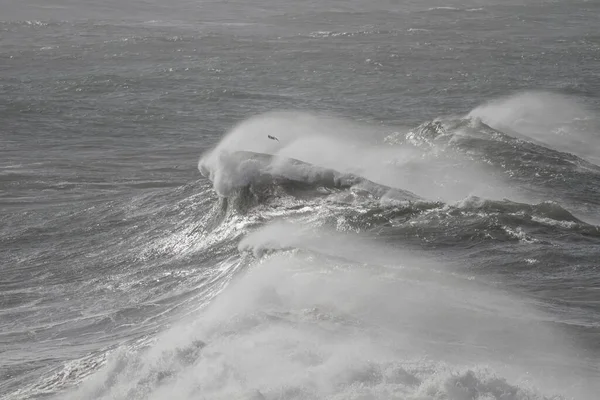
(508, 149)
(435, 172)
(325, 298)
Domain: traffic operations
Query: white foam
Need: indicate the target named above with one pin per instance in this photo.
(434, 172)
(343, 319)
(444, 9)
(559, 121)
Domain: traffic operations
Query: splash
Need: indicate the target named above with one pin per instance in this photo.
(558, 121)
(436, 172)
(333, 316)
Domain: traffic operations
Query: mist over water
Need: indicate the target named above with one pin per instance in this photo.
(339, 317)
(557, 121)
(276, 200)
(419, 164)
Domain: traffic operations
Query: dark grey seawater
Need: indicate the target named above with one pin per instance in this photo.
(425, 226)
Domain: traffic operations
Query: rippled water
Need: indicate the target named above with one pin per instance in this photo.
(423, 226)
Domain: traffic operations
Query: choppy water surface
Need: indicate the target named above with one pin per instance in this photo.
(425, 224)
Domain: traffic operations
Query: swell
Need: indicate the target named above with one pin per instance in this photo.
(408, 219)
(475, 222)
(536, 171)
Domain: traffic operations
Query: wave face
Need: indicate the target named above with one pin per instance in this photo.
(168, 232)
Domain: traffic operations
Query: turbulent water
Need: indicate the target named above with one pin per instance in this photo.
(422, 224)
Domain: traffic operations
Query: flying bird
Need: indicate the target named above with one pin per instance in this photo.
(272, 137)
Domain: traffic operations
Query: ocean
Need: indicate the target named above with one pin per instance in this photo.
(269, 199)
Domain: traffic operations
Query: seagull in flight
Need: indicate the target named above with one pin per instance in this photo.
(272, 137)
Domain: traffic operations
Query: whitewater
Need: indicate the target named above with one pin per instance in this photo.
(269, 200)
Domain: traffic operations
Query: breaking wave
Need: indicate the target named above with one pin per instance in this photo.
(315, 298)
